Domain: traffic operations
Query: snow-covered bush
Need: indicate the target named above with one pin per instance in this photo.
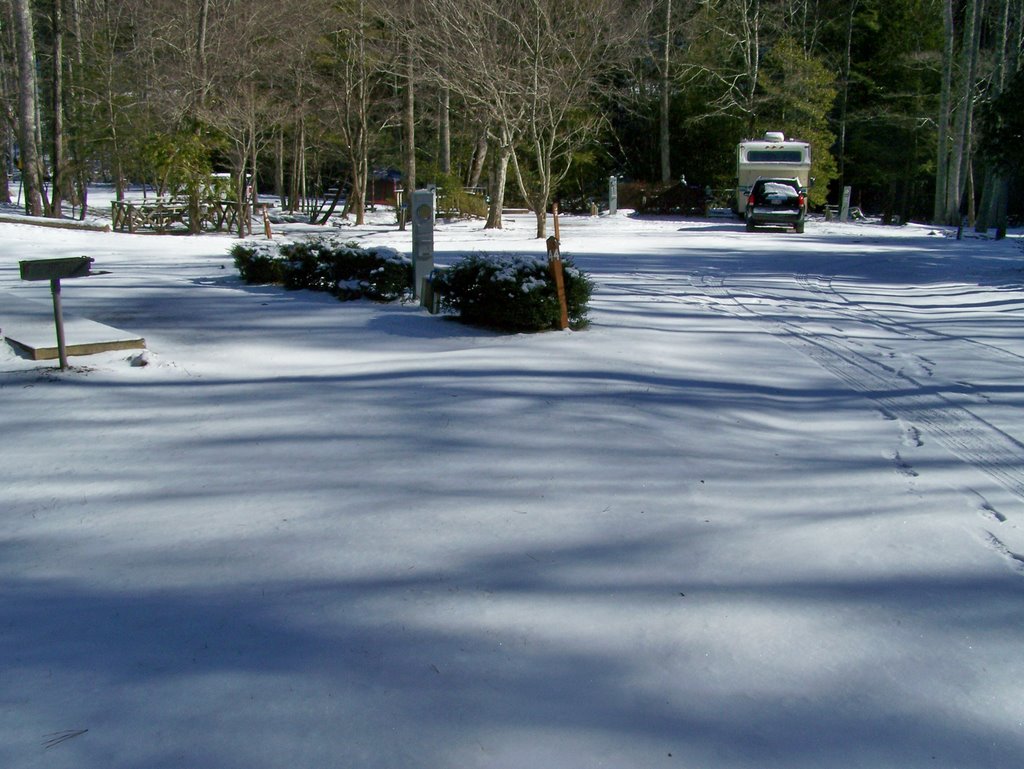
(512, 291)
(258, 263)
(344, 269)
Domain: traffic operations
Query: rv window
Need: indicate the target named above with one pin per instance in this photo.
(775, 156)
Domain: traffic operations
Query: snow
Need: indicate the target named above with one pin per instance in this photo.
(764, 512)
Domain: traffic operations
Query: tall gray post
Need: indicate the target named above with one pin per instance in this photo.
(613, 194)
(422, 208)
(844, 209)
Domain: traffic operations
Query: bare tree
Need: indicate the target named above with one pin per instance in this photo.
(411, 32)
(57, 159)
(110, 91)
(8, 119)
(844, 88)
(665, 75)
(350, 85)
(945, 111)
(729, 42)
(669, 30)
(532, 72)
(235, 96)
(28, 128)
(959, 160)
(995, 191)
(444, 131)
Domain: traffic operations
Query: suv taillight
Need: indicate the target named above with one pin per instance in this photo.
(800, 199)
(750, 200)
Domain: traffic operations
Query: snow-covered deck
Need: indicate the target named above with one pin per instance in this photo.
(28, 326)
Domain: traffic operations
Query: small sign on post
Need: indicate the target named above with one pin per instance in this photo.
(54, 270)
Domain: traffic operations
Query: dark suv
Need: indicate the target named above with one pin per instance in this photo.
(776, 202)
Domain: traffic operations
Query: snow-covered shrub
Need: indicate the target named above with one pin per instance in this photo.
(512, 291)
(257, 263)
(344, 269)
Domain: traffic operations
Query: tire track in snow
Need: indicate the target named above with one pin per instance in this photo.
(966, 435)
(822, 286)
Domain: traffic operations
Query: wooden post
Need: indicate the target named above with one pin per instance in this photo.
(555, 265)
(58, 320)
(266, 223)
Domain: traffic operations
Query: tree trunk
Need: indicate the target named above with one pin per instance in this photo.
(5, 160)
(986, 209)
(57, 180)
(666, 98)
(995, 185)
(201, 63)
(538, 201)
(498, 177)
(76, 67)
(945, 97)
(409, 121)
(31, 178)
(1002, 200)
(957, 181)
(967, 167)
(279, 188)
(360, 174)
(254, 164)
(476, 167)
(444, 132)
(7, 91)
(298, 150)
(845, 93)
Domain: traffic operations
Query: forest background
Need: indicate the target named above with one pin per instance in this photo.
(912, 103)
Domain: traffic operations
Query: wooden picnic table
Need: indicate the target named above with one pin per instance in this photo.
(161, 214)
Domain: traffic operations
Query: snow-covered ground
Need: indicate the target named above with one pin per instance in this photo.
(767, 511)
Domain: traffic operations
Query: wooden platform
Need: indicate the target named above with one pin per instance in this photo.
(28, 327)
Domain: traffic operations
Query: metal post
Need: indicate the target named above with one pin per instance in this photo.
(58, 319)
(422, 207)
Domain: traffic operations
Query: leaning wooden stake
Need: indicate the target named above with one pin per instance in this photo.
(266, 223)
(555, 265)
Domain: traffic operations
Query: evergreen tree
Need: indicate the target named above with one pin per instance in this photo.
(798, 92)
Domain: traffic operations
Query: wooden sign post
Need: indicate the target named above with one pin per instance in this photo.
(53, 270)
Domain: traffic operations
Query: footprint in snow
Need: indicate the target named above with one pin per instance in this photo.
(1016, 560)
(912, 437)
(902, 467)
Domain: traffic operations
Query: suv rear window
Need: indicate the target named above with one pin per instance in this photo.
(765, 190)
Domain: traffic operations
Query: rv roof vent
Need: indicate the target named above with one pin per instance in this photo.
(774, 136)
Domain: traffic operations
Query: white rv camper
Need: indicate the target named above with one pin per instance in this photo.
(771, 156)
